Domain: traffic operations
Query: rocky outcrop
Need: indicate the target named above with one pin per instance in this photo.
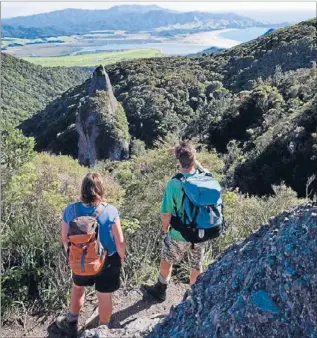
(93, 116)
(263, 287)
(100, 82)
(86, 122)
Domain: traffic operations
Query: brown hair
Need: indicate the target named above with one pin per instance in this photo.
(186, 154)
(92, 188)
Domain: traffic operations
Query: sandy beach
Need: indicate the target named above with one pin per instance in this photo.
(211, 39)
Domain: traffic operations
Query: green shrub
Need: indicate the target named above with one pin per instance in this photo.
(34, 265)
(16, 150)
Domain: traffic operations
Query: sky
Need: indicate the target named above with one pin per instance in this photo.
(267, 11)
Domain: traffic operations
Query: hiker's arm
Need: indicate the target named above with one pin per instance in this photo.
(167, 206)
(64, 233)
(119, 239)
(166, 219)
(200, 167)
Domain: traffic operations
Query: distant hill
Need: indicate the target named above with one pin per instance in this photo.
(131, 18)
(271, 30)
(26, 88)
(208, 51)
(30, 32)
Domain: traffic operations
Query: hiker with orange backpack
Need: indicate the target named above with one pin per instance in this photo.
(92, 236)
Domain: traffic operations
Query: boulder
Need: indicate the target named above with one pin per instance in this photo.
(263, 287)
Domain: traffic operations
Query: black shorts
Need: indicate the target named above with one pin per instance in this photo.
(108, 280)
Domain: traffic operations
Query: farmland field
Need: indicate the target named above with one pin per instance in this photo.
(93, 59)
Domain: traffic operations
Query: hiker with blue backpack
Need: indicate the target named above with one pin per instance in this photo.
(191, 214)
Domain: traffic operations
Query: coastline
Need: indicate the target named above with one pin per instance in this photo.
(212, 38)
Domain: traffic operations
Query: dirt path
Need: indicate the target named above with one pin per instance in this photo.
(129, 305)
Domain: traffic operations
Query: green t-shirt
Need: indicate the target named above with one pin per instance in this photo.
(173, 192)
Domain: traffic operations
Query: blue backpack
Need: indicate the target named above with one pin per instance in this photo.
(202, 218)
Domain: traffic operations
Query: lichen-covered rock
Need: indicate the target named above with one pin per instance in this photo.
(263, 287)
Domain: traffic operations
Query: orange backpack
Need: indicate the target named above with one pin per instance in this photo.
(86, 255)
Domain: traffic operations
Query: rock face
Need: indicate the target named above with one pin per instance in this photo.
(89, 126)
(263, 287)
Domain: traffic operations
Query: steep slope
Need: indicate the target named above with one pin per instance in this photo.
(263, 287)
(286, 151)
(89, 116)
(130, 18)
(269, 135)
(291, 48)
(26, 88)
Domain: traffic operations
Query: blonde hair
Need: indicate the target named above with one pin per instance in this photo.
(92, 188)
(186, 154)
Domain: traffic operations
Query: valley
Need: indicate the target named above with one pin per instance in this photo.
(107, 47)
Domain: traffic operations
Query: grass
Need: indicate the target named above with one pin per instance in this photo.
(93, 59)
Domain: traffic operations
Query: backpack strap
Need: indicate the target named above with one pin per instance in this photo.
(195, 215)
(76, 209)
(204, 171)
(179, 177)
(99, 210)
(95, 213)
(182, 178)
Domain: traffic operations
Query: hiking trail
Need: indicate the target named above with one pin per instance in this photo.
(134, 313)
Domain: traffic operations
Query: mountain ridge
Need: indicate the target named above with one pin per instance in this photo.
(134, 19)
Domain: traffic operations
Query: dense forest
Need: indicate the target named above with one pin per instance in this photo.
(26, 88)
(251, 111)
(250, 103)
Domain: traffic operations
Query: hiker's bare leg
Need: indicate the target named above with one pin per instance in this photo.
(165, 269)
(77, 299)
(105, 307)
(193, 276)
